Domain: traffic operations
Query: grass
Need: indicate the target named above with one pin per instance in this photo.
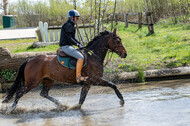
(168, 47)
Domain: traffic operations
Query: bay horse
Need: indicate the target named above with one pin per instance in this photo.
(47, 69)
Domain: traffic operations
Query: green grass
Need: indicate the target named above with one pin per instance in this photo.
(1, 26)
(168, 47)
(51, 48)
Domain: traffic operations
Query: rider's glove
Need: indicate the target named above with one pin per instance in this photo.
(80, 45)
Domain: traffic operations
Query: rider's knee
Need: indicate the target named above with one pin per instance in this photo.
(82, 58)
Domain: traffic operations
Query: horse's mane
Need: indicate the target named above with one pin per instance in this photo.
(97, 38)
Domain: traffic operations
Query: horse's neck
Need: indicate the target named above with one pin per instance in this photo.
(101, 49)
(101, 54)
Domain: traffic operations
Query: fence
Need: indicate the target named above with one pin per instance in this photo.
(84, 33)
(148, 19)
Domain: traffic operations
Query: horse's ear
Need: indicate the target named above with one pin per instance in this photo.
(114, 31)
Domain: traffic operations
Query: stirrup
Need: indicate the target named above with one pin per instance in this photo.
(79, 79)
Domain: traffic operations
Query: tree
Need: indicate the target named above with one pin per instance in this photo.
(74, 4)
(5, 3)
(113, 14)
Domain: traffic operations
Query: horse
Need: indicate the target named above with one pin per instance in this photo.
(47, 69)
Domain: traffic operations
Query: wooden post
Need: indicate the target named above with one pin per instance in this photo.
(85, 33)
(41, 27)
(140, 20)
(0, 88)
(116, 19)
(126, 21)
(150, 23)
(39, 35)
(46, 32)
(107, 19)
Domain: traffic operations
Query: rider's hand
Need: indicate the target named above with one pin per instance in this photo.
(80, 46)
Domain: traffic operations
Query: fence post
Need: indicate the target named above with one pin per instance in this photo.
(41, 27)
(140, 20)
(46, 31)
(126, 21)
(150, 22)
(116, 19)
(107, 18)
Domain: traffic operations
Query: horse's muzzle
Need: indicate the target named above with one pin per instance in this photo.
(124, 55)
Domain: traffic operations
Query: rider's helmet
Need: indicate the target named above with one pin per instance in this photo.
(73, 13)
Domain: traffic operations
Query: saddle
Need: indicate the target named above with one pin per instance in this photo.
(68, 61)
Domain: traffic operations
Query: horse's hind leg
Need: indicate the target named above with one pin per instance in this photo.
(23, 90)
(47, 84)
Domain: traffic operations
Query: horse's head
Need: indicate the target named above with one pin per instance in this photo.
(116, 45)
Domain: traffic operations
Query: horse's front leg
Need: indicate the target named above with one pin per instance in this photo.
(83, 94)
(97, 81)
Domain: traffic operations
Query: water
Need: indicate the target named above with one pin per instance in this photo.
(164, 103)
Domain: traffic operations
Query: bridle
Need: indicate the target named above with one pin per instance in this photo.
(111, 51)
(109, 57)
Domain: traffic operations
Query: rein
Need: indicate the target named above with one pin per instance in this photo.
(108, 59)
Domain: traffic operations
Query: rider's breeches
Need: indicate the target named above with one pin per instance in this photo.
(72, 51)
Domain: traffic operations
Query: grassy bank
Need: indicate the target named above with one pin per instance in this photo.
(168, 47)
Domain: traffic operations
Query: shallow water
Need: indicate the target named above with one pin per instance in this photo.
(164, 103)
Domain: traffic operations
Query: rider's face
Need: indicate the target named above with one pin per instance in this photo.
(75, 19)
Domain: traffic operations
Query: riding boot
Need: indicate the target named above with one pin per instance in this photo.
(79, 65)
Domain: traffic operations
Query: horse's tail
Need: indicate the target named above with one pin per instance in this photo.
(17, 84)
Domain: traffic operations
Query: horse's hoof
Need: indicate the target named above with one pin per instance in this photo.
(75, 107)
(122, 102)
(63, 107)
(9, 111)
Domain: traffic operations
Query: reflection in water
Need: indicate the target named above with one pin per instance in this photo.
(165, 103)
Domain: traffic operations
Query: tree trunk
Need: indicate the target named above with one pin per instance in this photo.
(5, 3)
(74, 4)
(173, 12)
(113, 15)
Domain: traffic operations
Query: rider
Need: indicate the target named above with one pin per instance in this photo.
(67, 40)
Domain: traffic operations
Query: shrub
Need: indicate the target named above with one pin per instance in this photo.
(7, 74)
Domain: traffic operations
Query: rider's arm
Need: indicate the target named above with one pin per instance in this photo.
(68, 34)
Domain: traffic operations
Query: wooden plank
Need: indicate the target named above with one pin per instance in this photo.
(56, 33)
(126, 21)
(51, 35)
(46, 32)
(81, 34)
(76, 35)
(41, 27)
(150, 22)
(59, 27)
(140, 20)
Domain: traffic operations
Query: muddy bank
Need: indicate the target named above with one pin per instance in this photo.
(168, 73)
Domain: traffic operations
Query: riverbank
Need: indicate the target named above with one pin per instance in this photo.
(167, 49)
(131, 77)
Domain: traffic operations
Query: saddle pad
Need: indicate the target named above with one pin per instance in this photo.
(66, 61)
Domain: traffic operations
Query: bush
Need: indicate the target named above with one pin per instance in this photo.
(7, 74)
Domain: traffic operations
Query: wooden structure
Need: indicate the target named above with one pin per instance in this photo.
(52, 33)
(126, 18)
